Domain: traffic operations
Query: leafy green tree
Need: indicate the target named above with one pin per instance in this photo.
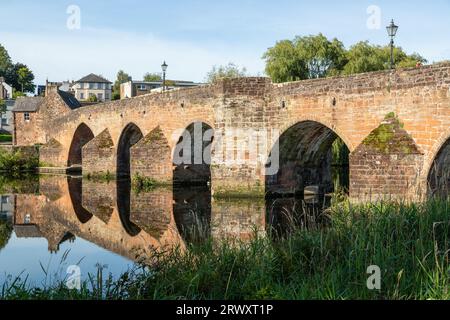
(364, 57)
(122, 77)
(5, 61)
(225, 72)
(10, 72)
(24, 77)
(305, 58)
(151, 77)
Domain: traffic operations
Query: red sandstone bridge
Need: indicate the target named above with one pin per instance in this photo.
(396, 125)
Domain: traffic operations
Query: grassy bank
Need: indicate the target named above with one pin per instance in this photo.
(410, 243)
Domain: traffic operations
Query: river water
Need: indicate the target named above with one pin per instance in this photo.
(50, 223)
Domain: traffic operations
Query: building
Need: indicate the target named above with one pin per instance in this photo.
(93, 85)
(6, 123)
(30, 113)
(6, 91)
(137, 88)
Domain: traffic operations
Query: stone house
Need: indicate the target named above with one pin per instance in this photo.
(93, 85)
(31, 113)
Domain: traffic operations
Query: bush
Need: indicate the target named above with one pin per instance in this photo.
(15, 162)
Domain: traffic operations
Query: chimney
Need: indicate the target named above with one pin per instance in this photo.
(51, 87)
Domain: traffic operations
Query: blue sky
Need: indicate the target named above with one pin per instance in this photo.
(194, 35)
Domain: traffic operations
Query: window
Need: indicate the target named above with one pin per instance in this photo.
(5, 199)
(100, 96)
(81, 96)
(107, 96)
(5, 121)
(27, 219)
(142, 87)
(26, 116)
(91, 85)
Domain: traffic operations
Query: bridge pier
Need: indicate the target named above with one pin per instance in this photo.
(387, 165)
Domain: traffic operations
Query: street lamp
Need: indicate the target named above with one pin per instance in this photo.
(164, 69)
(392, 31)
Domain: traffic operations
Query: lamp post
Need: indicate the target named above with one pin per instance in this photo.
(392, 31)
(164, 69)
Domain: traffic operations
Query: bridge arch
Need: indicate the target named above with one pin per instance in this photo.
(308, 153)
(75, 186)
(192, 155)
(131, 135)
(82, 135)
(438, 179)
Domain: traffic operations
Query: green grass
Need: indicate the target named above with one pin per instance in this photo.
(409, 242)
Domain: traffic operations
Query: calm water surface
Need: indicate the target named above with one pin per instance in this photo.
(52, 222)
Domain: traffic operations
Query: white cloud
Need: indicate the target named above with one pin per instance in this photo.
(73, 54)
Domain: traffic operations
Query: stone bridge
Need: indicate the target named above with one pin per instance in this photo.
(265, 137)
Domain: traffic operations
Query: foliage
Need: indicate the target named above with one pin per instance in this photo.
(16, 161)
(20, 81)
(316, 57)
(122, 77)
(151, 77)
(409, 242)
(364, 57)
(5, 233)
(92, 98)
(18, 94)
(25, 77)
(305, 58)
(225, 72)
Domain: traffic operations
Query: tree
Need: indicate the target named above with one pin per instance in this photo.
(24, 76)
(122, 77)
(225, 72)
(151, 77)
(305, 58)
(5, 60)
(364, 57)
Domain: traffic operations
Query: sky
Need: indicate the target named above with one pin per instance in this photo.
(194, 35)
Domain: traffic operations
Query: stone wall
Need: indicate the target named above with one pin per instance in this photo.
(99, 155)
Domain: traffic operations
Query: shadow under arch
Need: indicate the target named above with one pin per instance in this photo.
(192, 213)
(131, 135)
(439, 175)
(75, 185)
(192, 156)
(308, 154)
(124, 207)
(82, 135)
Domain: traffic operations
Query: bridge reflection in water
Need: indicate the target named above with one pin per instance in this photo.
(134, 224)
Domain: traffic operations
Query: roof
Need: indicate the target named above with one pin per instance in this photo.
(93, 78)
(27, 104)
(69, 99)
(27, 231)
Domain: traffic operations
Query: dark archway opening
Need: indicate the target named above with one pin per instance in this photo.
(192, 156)
(123, 205)
(129, 137)
(308, 164)
(81, 136)
(76, 192)
(192, 212)
(439, 176)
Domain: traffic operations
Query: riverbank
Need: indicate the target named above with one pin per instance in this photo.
(409, 243)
